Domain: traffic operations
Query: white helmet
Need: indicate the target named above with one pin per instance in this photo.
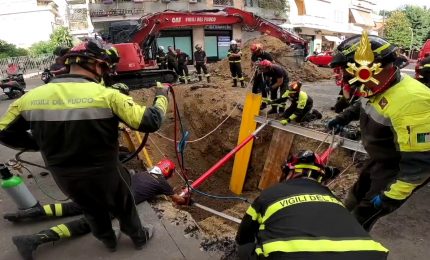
(233, 42)
(161, 48)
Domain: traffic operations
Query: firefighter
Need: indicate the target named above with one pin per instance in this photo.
(73, 121)
(161, 58)
(59, 68)
(300, 109)
(258, 54)
(424, 71)
(276, 78)
(183, 59)
(200, 61)
(300, 218)
(234, 58)
(144, 185)
(172, 60)
(394, 122)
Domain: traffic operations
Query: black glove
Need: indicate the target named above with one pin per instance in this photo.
(336, 125)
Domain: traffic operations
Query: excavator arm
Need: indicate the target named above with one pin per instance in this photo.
(151, 24)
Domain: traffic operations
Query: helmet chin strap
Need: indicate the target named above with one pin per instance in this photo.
(98, 76)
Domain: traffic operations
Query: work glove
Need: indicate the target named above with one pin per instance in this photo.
(161, 89)
(285, 121)
(335, 125)
(121, 87)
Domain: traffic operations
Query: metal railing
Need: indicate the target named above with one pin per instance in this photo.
(223, 2)
(27, 64)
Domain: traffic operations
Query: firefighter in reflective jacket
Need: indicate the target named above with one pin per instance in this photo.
(73, 121)
(300, 218)
(200, 61)
(300, 109)
(258, 55)
(234, 58)
(394, 114)
(145, 185)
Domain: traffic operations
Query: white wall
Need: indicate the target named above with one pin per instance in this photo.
(26, 28)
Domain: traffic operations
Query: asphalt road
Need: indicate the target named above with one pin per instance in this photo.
(406, 232)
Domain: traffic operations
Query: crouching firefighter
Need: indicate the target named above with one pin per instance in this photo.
(300, 109)
(300, 218)
(74, 123)
(145, 185)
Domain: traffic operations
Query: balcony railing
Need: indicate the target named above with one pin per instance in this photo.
(116, 9)
(223, 2)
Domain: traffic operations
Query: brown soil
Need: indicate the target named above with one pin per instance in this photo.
(203, 107)
(283, 55)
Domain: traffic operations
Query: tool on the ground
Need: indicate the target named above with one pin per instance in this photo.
(223, 161)
(215, 212)
(16, 189)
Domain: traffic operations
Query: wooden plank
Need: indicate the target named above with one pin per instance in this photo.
(247, 126)
(132, 140)
(278, 152)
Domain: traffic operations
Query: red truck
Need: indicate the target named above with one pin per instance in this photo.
(424, 52)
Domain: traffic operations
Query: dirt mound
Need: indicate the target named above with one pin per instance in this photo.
(283, 55)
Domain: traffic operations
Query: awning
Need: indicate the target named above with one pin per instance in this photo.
(335, 39)
(362, 18)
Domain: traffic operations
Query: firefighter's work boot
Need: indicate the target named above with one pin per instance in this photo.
(234, 83)
(26, 245)
(112, 244)
(208, 79)
(200, 78)
(149, 232)
(34, 212)
(242, 84)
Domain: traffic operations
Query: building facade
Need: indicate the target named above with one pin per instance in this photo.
(95, 16)
(325, 23)
(24, 22)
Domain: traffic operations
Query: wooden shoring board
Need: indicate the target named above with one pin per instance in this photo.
(279, 149)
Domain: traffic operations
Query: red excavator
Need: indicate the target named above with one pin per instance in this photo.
(137, 46)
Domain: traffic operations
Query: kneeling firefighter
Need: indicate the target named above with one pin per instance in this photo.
(300, 109)
(300, 218)
(73, 121)
(423, 71)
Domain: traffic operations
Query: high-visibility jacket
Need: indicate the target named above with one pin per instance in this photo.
(301, 219)
(74, 122)
(301, 103)
(395, 129)
(233, 59)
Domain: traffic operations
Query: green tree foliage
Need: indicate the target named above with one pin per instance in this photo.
(61, 37)
(10, 50)
(420, 22)
(279, 5)
(42, 47)
(397, 29)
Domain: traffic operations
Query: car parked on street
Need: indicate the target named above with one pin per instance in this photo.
(321, 59)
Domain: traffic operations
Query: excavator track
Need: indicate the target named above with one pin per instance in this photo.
(145, 78)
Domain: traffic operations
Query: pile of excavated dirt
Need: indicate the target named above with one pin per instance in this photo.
(283, 55)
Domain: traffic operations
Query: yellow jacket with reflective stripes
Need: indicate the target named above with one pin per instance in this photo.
(300, 217)
(74, 122)
(395, 129)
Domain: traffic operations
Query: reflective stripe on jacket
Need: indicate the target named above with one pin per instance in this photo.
(395, 128)
(74, 121)
(301, 216)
